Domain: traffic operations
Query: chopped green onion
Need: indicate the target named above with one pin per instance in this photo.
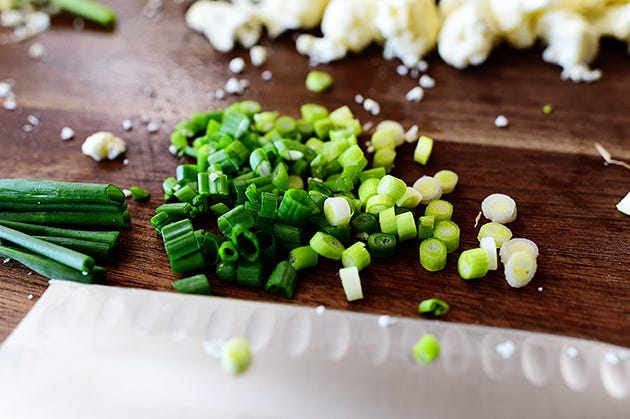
(433, 306)
(429, 188)
(472, 263)
(139, 194)
(246, 243)
(448, 232)
(283, 280)
(387, 220)
(406, 226)
(392, 186)
(364, 223)
(433, 254)
(311, 112)
(520, 269)
(426, 350)
(547, 108)
(303, 257)
(91, 10)
(296, 206)
(382, 245)
(392, 129)
(285, 125)
(351, 282)
(249, 273)
(447, 180)
(356, 255)
(426, 224)
(226, 271)
(327, 245)
(441, 210)
(376, 172)
(197, 284)
(499, 208)
(512, 246)
(423, 150)
(68, 257)
(498, 232)
(263, 121)
(318, 81)
(410, 199)
(228, 252)
(337, 211)
(384, 158)
(342, 116)
(236, 355)
(378, 203)
(488, 244)
(382, 139)
(367, 189)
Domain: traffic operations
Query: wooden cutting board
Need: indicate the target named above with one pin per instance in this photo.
(92, 80)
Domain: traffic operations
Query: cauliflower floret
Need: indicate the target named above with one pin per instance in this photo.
(468, 34)
(281, 15)
(516, 19)
(347, 25)
(224, 23)
(409, 27)
(571, 40)
(103, 145)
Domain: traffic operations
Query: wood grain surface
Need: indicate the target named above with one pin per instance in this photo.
(92, 80)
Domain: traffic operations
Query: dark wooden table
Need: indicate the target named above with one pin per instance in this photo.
(92, 80)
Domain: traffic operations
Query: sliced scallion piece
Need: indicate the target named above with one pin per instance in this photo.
(423, 150)
(447, 180)
(426, 350)
(387, 220)
(351, 282)
(499, 208)
(378, 203)
(392, 186)
(410, 199)
(426, 224)
(520, 269)
(517, 245)
(472, 263)
(448, 232)
(488, 244)
(283, 279)
(364, 223)
(337, 211)
(356, 255)
(197, 284)
(236, 355)
(303, 257)
(139, 194)
(498, 232)
(406, 226)
(327, 246)
(439, 209)
(433, 254)
(384, 158)
(382, 245)
(433, 306)
(318, 81)
(429, 188)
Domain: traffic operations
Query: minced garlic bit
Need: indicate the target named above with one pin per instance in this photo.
(258, 55)
(66, 134)
(426, 81)
(237, 65)
(501, 121)
(416, 94)
(608, 158)
(372, 106)
(103, 145)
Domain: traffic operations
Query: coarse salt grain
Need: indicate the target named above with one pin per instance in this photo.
(540, 289)
(10, 104)
(32, 119)
(358, 99)
(320, 310)
(126, 162)
(153, 127)
(36, 50)
(145, 119)
(258, 55)
(127, 124)
(385, 321)
(402, 70)
(7, 260)
(237, 65)
(219, 94)
(232, 86)
(127, 193)
(501, 121)
(266, 75)
(5, 89)
(415, 94)
(28, 128)
(372, 106)
(426, 81)
(506, 349)
(414, 73)
(30, 296)
(66, 134)
(172, 149)
(422, 66)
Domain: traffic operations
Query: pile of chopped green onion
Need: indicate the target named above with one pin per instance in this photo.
(34, 215)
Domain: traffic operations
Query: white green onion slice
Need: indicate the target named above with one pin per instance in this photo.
(429, 188)
(356, 255)
(447, 180)
(337, 211)
(520, 269)
(433, 254)
(488, 244)
(327, 246)
(406, 226)
(387, 220)
(351, 282)
(410, 199)
(392, 129)
(392, 186)
(498, 232)
(517, 245)
(499, 208)
(441, 210)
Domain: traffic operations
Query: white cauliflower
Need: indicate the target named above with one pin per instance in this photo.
(224, 23)
(409, 28)
(279, 16)
(614, 21)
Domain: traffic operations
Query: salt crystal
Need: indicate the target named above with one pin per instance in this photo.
(372, 106)
(422, 66)
(11, 18)
(266, 75)
(37, 22)
(153, 127)
(258, 55)
(501, 121)
(10, 104)
(320, 310)
(126, 162)
(127, 124)
(237, 65)
(66, 134)
(172, 149)
(30, 296)
(36, 50)
(358, 99)
(7, 260)
(233, 86)
(32, 119)
(28, 128)
(426, 81)
(415, 94)
(540, 289)
(402, 70)
(506, 349)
